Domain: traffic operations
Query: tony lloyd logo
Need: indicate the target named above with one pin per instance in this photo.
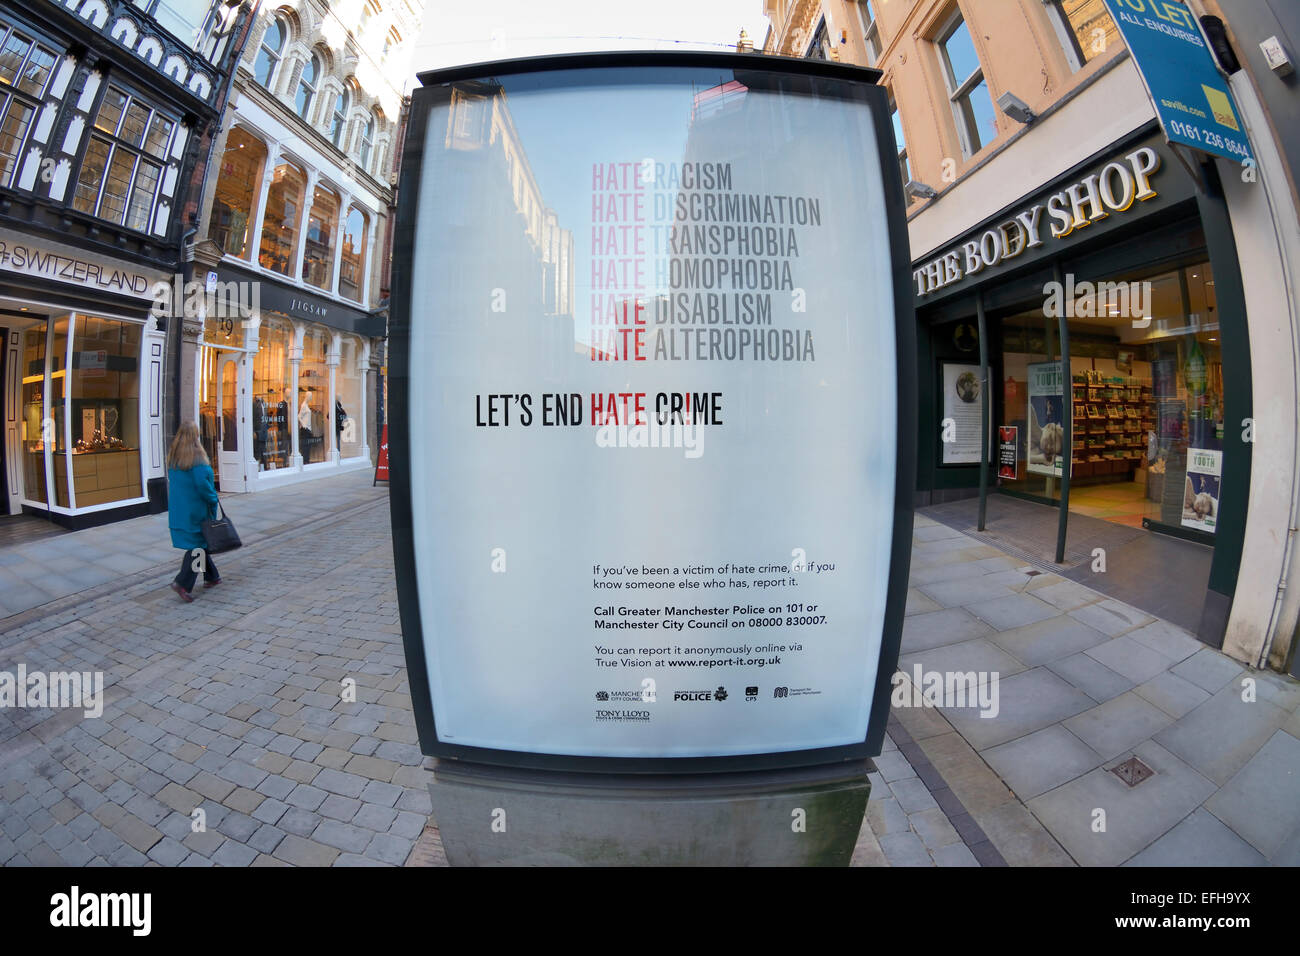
(619, 716)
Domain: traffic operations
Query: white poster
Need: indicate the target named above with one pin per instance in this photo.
(653, 397)
(1046, 440)
(1201, 489)
(960, 434)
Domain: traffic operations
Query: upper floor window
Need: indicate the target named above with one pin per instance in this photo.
(820, 48)
(900, 144)
(122, 169)
(340, 119)
(25, 70)
(268, 56)
(183, 19)
(307, 87)
(972, 105)
(367, 143)
(368, 10)
(353, 260)
(238, 184)
(391, 42)
(282, 219)
(1084, 27)
(870, 31)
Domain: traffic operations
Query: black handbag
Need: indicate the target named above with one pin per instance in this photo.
(220, 533)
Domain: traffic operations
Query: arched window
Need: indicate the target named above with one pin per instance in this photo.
(268, 57)
(340, 118)
(307, 86)
(367, 143)
(352, 262)
(282, 218)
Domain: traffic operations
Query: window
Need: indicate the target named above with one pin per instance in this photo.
(972, 105)
(238, 185)
(307, 87)
(268, 55)
(25, 69)
(272, 410)
(820, 48)
(282, 219)
(900, 144)
(367, 143)
(870, 31)
(349, 428)
(340, 119)
(353, 261)
(318, 249)
(181, 18)
(122, 169)
(313, 393)
(1084, 27)
(368, 10)
(104, 404)
(391, 42)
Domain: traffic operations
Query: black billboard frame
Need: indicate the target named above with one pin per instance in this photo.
(422, 101)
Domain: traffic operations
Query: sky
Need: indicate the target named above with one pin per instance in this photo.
(457, 33)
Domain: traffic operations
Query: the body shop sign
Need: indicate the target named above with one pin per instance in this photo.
(651, 337)
(1112, 189)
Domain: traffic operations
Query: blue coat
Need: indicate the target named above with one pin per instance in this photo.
(191, 497)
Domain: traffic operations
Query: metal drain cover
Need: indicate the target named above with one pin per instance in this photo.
(1132, 771)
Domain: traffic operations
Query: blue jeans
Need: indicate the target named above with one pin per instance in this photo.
(193, 560)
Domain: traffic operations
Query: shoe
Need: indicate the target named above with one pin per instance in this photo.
(212, 584)
(186, 596)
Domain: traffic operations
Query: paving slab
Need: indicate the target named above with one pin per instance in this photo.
(1262, 800)
(1028, 701)
(1119, 724)
(1221, 735)
(1041, 761)
(1200, 840)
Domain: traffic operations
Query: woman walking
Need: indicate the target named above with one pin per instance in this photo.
(191, 498)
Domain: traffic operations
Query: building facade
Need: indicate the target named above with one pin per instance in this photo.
(1119, 291)
(282, 370)
(106, 108)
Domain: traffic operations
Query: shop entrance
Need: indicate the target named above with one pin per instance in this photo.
(1145, 400)
(221, 417)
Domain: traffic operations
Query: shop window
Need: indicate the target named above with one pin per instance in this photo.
(283, 218)
(307, 87)
(352, 263)
(1085, 28)
(270, 52)
(349, 427)
(238, 185)
(340, 119)
(313, 396)
(104, 409)
(870, 31)
(318, 248)
(272, 411)
(972, 104)
(122, 168)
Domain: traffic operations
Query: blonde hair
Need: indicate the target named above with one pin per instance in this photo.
(186, 450)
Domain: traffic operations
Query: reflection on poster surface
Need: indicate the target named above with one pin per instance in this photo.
(1046, 447)
(653, 400)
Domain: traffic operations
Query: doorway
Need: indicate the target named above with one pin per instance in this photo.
(221, 416)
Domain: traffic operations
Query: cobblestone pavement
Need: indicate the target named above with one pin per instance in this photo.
(231, 705)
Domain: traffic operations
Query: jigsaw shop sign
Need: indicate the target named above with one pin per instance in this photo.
(1112, 189)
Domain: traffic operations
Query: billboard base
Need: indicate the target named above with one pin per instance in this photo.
(500, 816)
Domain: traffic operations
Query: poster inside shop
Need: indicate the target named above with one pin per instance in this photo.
(961, 412)
(1201, 488)
(652, 330)
(1046, 445)
(1009, 452)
